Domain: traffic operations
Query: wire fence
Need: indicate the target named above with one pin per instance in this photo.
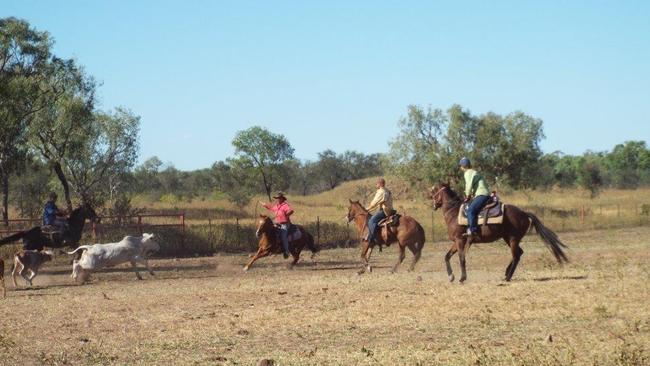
(180, 235)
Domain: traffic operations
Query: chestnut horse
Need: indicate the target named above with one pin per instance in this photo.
(409, 233)
(516, 224)
(270, 242)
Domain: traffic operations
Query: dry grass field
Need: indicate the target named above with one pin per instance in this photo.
(593, 311)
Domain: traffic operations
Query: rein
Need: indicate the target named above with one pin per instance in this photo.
(365, 222)
(453, 202)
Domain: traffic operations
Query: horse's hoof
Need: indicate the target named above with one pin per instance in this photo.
(463, 279)
(369, 269)
(451, 278)
(245, 268)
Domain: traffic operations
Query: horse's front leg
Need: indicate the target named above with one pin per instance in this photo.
(366, 251)
(450, 253)
(260, 253)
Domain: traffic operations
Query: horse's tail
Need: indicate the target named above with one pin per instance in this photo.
(550, 239)
(79, 247)
(423, 236)
(15, 237)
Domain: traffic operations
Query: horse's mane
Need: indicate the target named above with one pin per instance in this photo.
(359, 205)
(454, 198)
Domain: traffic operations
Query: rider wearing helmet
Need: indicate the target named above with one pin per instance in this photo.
(477, 191)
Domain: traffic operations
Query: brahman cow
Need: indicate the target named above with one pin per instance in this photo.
(97, 256)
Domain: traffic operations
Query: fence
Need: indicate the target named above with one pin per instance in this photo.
(182, 236)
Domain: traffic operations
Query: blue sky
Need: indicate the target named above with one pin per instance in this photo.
(339, 74)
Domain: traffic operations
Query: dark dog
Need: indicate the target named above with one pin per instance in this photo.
(29, 260)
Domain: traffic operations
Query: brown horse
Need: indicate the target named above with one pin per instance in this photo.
(270, 242)
(409, 233)
(516, 224)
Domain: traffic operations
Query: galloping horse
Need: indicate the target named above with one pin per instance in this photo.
(409, 233)
(516, 224)
(35, 239)
(270, 242)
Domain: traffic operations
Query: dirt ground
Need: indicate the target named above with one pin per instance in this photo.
(593, 311)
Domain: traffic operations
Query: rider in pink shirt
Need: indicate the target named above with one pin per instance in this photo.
(282, 217)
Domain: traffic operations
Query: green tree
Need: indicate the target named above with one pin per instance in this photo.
(330, 168)
(100, 162)
(235, 178)
(419, 153)
(146, 175)
(24, 54)
(590, 173)
(628, 164)
(64, 126)
(264, 153)
(431, 143)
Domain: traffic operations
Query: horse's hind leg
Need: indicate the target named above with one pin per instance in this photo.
(450, 253)
(517, 252)
(416, 249)
(296, 256)
(400, 257)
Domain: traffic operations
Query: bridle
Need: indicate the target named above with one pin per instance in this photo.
(435, 195)
(365, 222)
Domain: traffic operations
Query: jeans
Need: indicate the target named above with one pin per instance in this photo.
(372, 224)
(284, 236)
(474, 209)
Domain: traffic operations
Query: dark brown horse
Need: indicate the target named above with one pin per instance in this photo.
(516, 224)
(270, 242)
(409, 233)
(35, 239)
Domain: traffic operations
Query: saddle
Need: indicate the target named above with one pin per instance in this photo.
(492, 213)
(391, 220)
(294, 233)
(52, 230)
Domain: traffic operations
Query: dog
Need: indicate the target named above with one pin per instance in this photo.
(29, 260)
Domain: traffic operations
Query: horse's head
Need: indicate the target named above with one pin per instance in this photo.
(89, 213)
(355, 210)
(438, 193)
(264, 225)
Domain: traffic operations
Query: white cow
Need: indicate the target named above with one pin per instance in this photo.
(97, 256)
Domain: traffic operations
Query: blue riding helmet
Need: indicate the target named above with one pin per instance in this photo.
(465, 163)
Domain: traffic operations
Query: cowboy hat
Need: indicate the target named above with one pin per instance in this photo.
(280, 194)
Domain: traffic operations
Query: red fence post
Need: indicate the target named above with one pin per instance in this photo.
(582, 215)
(94, 231)
(140, 224)
(318, 230)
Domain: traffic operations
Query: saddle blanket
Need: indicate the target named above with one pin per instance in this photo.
(494, 215)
